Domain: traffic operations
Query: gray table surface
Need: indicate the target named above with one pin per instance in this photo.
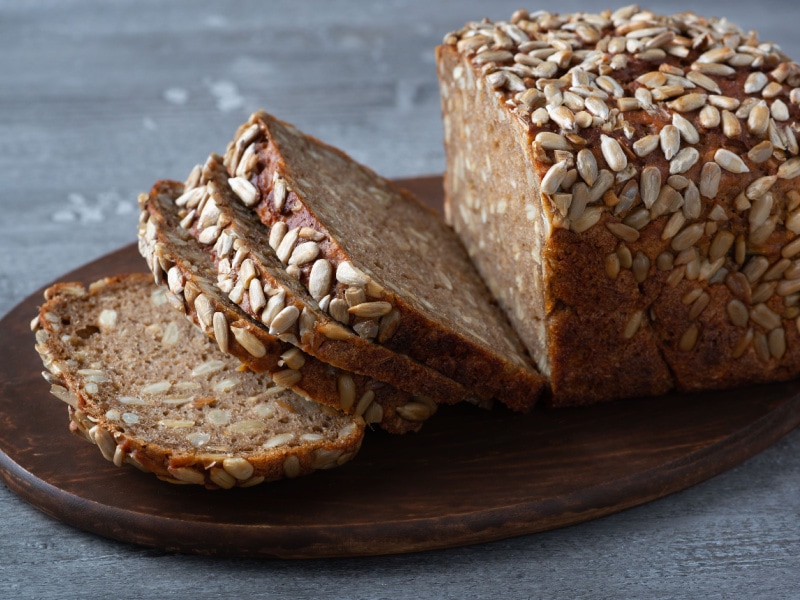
(99, 99)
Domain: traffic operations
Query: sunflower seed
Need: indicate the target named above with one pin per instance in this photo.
(244, 190)
(688, 237)
(553, 178)
(563, 117)
(248, 341)
(284, 249)
(788, 287)
(612, 265)
(347, 391)
(287, 378)
(552, 141)
(689, 339)
(493, 56)
(758, 119)
(319, 280)
(761, 152)
(762, 315)
(709, 117)
(334, 331)
(704, 81)
(338, 310)
(220, 324)
(304, 253)
(370, 309)
(640, 267)
(644, 146)
(274, 305)
(613, 153)
(776, 340)
(761, 208)
(688, 102)
(724, 102)
(760, 186)
(623, 232)
(284, 320)
(348, 274)
(684, 160)
(670, 141)
(731, 126)
(278, 192)
(276, 234)
(779, 110)
(414, 411)
(730, 161)
(204, 310)
(686, 129)
(755, 82)
(673, 226)
(772, 90)
(650, 185)
(790, 169)
(587, 166)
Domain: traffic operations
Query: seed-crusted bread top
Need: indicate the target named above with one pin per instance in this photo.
(380, 263)
(152, 390)
(178, 260)
(291, 313)
(661, 152)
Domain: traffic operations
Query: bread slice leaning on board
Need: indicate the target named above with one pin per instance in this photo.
(378, 262)
(627, 185)
(151, 390)
(187, 268)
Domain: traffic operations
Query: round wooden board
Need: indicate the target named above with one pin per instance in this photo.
(469, 476)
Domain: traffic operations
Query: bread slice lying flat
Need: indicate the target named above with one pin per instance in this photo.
(178, 259)
(379, 262)
(253, 266)
(151, 390)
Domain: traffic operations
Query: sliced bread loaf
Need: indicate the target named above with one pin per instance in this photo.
(250, 271)
(179, 260)
(151, 390)
(383, 265)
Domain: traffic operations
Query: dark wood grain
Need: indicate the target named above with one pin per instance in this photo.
(469, 476)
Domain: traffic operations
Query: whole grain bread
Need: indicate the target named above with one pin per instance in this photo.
(626, 183)
(179, 261)
(223, 221)
(151, 390)
(381, 263)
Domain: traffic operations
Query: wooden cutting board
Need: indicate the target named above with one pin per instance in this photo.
(469, 476)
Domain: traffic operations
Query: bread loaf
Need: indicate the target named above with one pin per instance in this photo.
(178, 260)
(151, 390)
(380, 263)
(626, 184)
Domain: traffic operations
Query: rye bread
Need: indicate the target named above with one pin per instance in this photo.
(394, 272)
(151, 390)
(179, 261)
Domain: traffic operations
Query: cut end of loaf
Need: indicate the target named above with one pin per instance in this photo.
(636, 217)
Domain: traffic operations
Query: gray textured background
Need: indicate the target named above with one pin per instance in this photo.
(99, 99)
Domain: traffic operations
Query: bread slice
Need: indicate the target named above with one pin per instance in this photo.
(178, 259)
(379, 262)
(151, 390)
(626, 183)
(222, 222)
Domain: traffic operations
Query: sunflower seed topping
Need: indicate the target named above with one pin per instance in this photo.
(729, 161)
(244, 190)
(348, 274)
(284, 320)
(613, 153)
